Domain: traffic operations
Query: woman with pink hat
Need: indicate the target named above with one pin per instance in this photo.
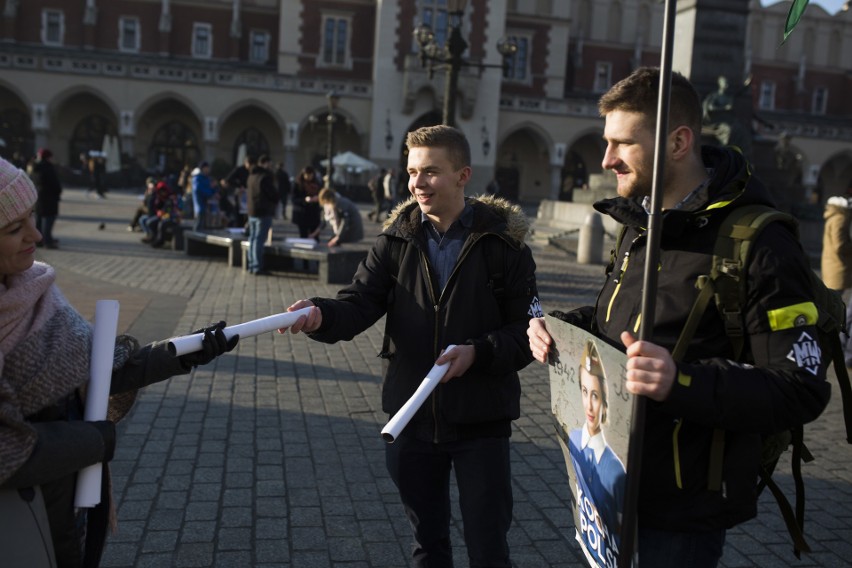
(45, 350)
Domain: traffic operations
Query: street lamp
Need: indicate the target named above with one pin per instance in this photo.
(450, 56)
(333, 98)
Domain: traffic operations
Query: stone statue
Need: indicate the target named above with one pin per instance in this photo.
(720, 119)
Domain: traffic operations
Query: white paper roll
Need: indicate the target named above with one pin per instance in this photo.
(192, 343)
(97, 396)
(404, 415)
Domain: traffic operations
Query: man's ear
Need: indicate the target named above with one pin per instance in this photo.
(681, 142)
(464, 175)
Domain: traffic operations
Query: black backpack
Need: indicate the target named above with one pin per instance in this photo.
(726, 286)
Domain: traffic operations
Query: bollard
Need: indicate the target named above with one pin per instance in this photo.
(590, 242)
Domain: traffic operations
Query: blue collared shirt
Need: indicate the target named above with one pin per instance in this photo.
(443, 250)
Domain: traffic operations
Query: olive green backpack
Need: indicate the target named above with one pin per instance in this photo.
(726, 286)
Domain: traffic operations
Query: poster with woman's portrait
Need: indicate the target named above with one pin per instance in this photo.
(592, 410)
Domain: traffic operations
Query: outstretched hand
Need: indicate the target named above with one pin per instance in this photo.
(650, 368)
(213, 344)
(307, 324)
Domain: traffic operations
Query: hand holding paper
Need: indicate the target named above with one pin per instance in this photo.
(313, 318)
(190, 343)
(401, 419)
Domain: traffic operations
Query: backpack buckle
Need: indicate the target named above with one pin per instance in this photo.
(733, 322)
(731, 268)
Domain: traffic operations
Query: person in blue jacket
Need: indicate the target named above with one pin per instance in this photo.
(202, 191)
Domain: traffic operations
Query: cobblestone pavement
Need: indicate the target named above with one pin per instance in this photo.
(272, 457)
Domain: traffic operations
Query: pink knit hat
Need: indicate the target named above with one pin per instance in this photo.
(17, 193)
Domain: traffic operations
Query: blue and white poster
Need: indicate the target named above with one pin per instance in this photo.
(592, 409)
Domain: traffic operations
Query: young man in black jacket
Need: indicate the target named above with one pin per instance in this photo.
(779, 383)
(432, 271)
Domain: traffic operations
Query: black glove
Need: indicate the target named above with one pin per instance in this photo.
(213, 344)
(107, 432)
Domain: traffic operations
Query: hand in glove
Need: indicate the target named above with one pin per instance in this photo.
(107, 431)
(213, 344)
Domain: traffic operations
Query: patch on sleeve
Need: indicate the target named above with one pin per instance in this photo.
(806, 353)
(789, 317)
(535, 310)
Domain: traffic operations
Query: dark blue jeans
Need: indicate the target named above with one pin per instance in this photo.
(670, 549)
(421, 472)
(258, 232)
(45, 227)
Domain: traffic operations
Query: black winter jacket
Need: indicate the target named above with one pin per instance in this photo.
(396, 278)
(262, 194)
(770, 390)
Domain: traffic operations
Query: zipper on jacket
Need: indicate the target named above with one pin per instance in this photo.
(436, 308)
(676, 453)
(617, 281)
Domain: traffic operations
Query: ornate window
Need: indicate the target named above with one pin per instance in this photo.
(128, 34)
(517, 64)
(202, 40)
(335, 40)
(819, 102)
(174, 145)
(259, 46)
(52, 27)
(767, 96)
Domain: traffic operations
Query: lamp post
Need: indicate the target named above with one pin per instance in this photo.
(450, 56)
(333, 98)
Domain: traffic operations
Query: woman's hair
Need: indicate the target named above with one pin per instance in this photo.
(591, 363)
(441, 136)
(327, 195)
(639, 91)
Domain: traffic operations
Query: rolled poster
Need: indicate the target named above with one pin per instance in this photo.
(88, 492)
(404, 415)
(192, 343)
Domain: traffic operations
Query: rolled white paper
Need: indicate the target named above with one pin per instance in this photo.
(192, 343)
(88, 492)
(404, 415)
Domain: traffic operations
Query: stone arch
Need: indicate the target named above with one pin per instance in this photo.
(255, 124)
(87, 115)
(169, 134)
(523, 163)
(582, 165)
(313, 136)
(16, 130)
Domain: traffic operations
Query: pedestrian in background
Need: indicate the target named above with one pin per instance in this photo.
(306, 207)
(282, 181)
(377, 194)
(262, 199)
(836, 260)
(343, 216)
(46, 180)
(203, 190)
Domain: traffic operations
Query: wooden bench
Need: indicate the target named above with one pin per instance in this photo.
(216, 242)
(336, 265)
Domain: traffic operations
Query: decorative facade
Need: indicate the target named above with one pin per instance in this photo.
(177, 81)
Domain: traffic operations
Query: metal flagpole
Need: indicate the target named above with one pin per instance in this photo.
(649, 288)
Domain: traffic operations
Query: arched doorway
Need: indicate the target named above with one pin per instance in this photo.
(88, 135)
(523, 167)
(16, 136)
(255, 142)
(582, 160)
(173, 146)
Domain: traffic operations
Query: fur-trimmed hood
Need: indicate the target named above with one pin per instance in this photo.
(500, 216)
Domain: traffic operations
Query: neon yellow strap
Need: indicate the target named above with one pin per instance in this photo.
(789, 317)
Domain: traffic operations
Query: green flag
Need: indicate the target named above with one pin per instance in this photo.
(793, 17)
